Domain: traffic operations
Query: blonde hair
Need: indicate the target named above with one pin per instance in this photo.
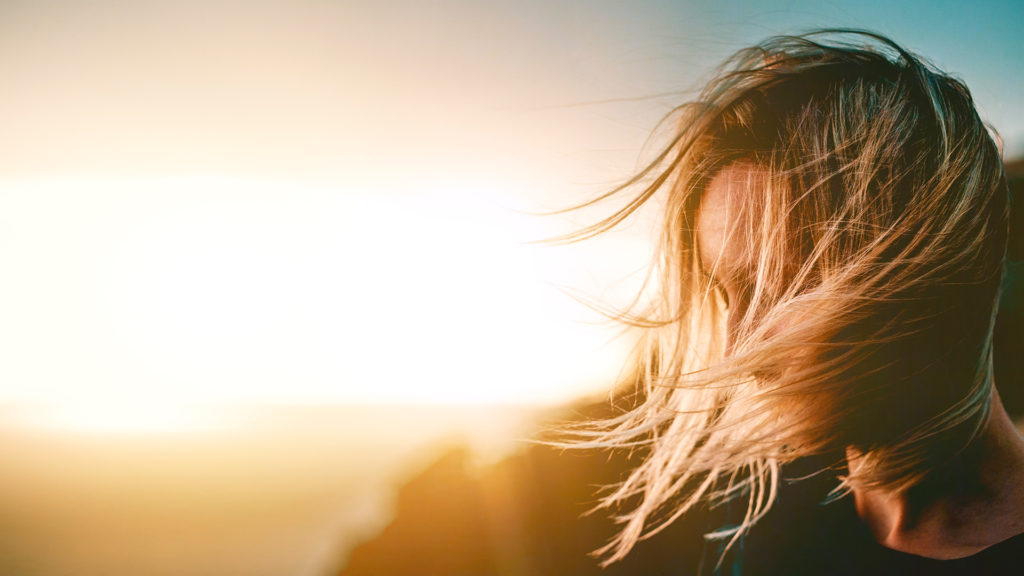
(875, 231)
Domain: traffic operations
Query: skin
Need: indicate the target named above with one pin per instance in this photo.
(941, 518)
(721, 245)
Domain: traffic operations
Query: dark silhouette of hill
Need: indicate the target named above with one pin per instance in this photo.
(521, 516)
(524, 515)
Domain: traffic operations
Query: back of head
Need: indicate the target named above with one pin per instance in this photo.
(873, 230)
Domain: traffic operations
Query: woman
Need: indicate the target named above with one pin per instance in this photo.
(835, 230)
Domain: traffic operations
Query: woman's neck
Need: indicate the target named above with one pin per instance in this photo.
(984, 509)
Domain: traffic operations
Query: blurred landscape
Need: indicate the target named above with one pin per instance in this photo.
(267, 492)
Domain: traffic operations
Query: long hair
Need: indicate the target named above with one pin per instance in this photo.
(874, 236)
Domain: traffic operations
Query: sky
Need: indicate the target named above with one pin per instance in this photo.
(327, 201)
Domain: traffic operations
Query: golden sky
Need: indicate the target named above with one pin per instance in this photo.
(316, 201)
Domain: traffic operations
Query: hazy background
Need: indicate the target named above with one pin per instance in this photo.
(258, 259)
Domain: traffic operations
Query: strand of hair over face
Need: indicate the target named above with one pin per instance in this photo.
(878, 222)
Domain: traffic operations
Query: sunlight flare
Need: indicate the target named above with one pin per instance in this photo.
(213, 289)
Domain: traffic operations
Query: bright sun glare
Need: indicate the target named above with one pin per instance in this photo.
(196, 290)
(116, 418)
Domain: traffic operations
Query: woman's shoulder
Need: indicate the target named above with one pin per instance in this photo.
(807, 534)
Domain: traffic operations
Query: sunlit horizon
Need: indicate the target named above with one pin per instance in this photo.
(202, 289)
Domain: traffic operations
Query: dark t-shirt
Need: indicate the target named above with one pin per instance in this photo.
(803, 536)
